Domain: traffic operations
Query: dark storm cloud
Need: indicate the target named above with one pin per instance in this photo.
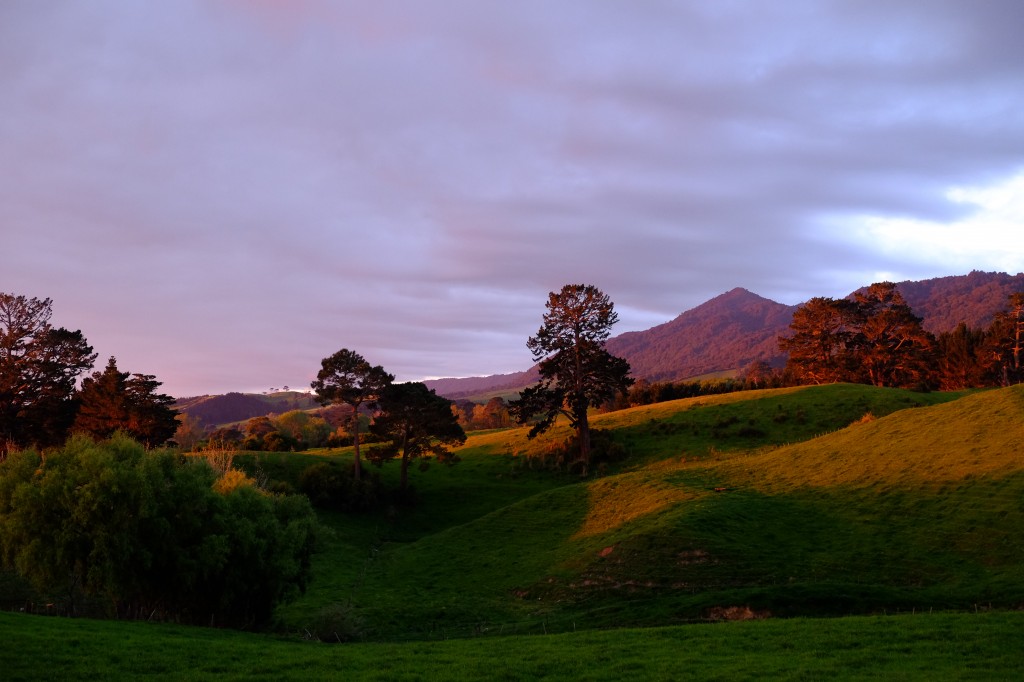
(222, 193)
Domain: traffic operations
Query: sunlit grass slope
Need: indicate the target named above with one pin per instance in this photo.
(496, 472)
(712, 515)
(981, 435)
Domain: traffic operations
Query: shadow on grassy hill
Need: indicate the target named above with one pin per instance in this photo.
(712, 516)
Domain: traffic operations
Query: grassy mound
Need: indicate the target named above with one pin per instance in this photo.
(828, 500)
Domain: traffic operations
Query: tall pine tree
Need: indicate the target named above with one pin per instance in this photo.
(576, 370)
(112, 400)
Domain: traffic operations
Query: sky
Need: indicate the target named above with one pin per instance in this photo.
(223, 192)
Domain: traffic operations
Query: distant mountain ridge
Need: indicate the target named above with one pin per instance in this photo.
(728, 332)
(462, 387)
(235, 407)
(737, 328)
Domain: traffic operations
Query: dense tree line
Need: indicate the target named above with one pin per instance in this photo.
(875, 338)
(647, 392)
(293, 431)
(494, 414)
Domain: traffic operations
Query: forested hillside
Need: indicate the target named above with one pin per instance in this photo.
(945, 302)
(728, 332)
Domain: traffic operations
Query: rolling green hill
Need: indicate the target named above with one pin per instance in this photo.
(817, 501)
(806, 501)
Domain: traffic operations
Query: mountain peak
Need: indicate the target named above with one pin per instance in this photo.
(738, 327)
(728, 332)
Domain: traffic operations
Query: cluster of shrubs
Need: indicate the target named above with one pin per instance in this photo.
(151, 534)
(565, 456)
(330, 485)
(293, 431)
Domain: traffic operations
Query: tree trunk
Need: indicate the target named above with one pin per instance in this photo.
(357, 470)
(404, 479)
(582, 423)
(1016, 341)
(583, 434)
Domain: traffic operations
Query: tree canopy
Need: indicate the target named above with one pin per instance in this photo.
(576, 370)
(416, 423)
(872, 338)
(112, 400)
(38, 369)
(347, 378)
(1003, 353)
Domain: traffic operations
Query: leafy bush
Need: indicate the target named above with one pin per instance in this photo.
(147, 532)
(277, 441)
(332, 487)
(564, 456)
(232, 480)
(335, 624)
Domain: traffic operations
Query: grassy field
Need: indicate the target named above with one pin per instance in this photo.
(835, 500)
(985, 646)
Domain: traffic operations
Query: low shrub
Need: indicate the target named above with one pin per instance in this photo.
(335, 624)
(329, 486)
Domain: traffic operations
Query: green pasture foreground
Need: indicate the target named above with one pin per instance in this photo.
(962, 646)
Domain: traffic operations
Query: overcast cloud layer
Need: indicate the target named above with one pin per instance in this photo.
(223, 193)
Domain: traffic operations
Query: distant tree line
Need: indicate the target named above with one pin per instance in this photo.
(494, 414)
(873, 337)
(758, 375)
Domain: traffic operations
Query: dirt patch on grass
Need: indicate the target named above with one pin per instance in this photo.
(736, 613)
